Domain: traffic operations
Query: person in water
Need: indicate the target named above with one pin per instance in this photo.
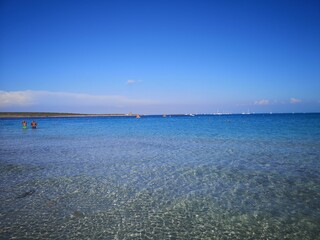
(24, 124)
(34, 124)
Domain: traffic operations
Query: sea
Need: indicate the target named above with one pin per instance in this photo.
(254, 176)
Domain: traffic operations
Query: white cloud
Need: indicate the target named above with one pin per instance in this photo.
(47, 98)
(130, 81)
(262, 102)
(18, 98)
(295, 100)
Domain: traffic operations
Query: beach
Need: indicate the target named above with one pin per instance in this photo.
(187, 177)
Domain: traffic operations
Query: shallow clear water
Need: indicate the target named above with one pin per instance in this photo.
(202, 177)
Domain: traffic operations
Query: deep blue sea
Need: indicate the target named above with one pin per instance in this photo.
(202, 177)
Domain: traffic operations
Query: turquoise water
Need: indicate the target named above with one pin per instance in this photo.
(202, 177)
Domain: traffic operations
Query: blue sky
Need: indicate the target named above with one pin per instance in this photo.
(160, 56)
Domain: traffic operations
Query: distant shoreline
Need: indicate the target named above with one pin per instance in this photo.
(51, 114)
(71, 115)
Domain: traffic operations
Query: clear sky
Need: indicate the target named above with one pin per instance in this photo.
(160, 56)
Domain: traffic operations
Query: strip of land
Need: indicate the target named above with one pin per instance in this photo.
(52, 114)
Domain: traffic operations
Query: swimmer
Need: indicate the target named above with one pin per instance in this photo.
(24, 124)
(34, 124)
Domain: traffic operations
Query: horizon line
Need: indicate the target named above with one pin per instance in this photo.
(68, 114)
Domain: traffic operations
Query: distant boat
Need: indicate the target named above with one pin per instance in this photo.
(164, 115)
(246, 113)
(138, 116)
(218, 113)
